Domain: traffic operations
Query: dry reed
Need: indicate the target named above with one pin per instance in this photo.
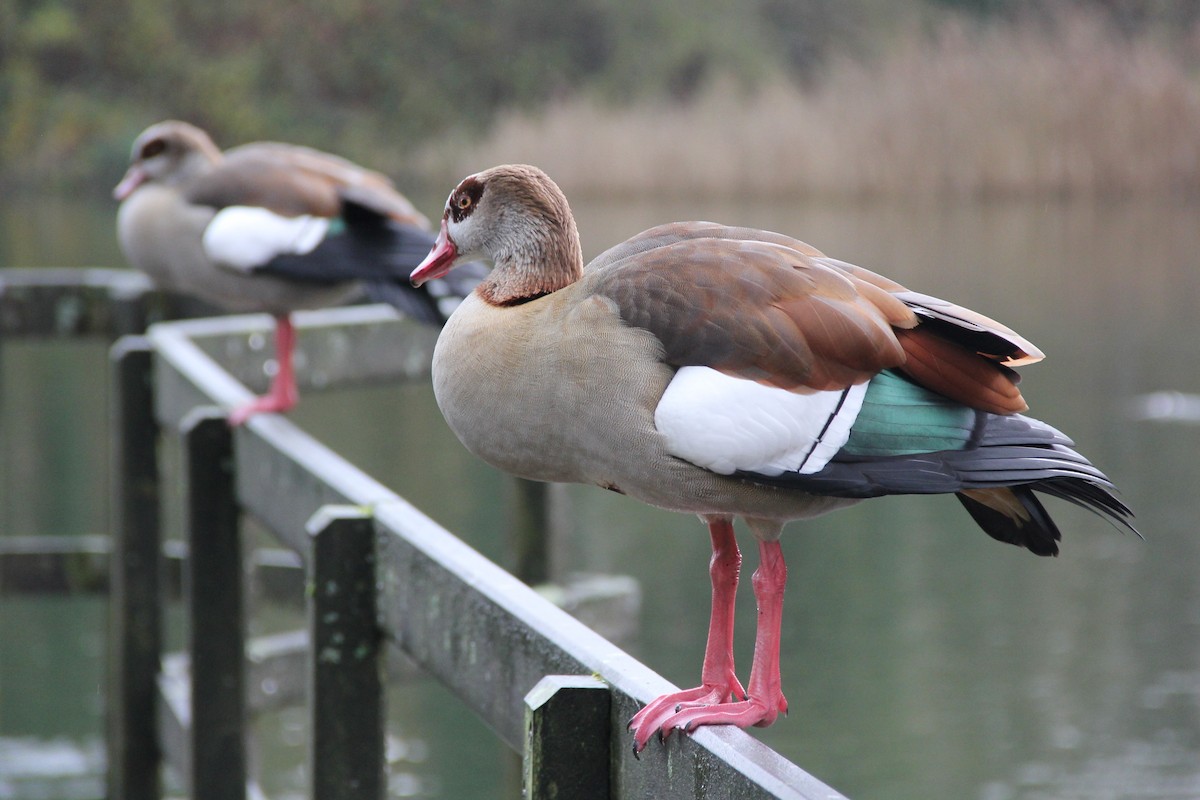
(1029, 109)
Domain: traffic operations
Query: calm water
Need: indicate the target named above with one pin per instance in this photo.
(921, 658)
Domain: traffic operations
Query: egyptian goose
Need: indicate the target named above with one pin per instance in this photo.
(733, 372)
(272, 227)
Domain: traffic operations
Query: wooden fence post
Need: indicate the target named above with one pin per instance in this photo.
(214, 591)
(345, 689)
(567, 735)
(135, 600)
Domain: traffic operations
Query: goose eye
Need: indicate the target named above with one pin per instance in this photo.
(462, 202)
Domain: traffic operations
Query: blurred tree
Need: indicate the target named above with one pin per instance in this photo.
(370, 78)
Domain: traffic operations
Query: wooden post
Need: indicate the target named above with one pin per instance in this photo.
(214, 592)
(135, 601)
(567, 733)
(345, 691)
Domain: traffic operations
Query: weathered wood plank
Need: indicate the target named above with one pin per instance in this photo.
(490, 639)
(341, 347)
(70, 564)
(54, 564)
(66, 302)
(345, 693)
(567, 739)
(216, 640)
(136, 596)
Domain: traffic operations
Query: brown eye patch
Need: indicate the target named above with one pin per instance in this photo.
(464, 199)
(153, 148)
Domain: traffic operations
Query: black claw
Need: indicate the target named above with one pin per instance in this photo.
(636, 754)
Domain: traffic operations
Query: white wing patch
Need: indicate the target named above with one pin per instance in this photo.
(727, 424)
(247, 237)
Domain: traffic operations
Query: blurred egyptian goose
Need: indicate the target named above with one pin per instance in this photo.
(276, 228)
(733, 372)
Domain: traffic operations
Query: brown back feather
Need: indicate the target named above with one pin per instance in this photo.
(767, 307)
(755, 309)
(294, 180)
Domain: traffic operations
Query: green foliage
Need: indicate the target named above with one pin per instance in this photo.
(79, 79)
(373, 78)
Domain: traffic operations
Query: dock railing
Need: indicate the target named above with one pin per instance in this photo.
(378, 574)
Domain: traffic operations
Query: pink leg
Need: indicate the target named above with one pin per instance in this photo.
(717, 679)
(283, 393)
(766, 700)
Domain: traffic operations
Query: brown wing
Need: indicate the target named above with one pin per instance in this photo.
(756, 309)
(294, 180)
(770, 308)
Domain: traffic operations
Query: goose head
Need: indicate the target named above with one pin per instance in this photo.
(515, 218)
(169, 153)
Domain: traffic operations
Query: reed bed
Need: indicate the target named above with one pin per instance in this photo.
(1061, 108)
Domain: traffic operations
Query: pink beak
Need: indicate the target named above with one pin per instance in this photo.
(439, 261)
(134, 178)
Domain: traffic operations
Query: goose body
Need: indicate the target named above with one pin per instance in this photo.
(530, 402)
(275, 228)
(727, 372)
